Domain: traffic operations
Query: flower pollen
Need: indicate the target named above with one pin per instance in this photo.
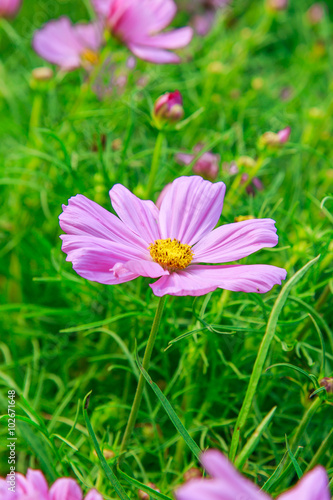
(171, 254)
(90, 57)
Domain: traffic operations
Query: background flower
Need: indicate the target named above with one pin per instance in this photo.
(9, 8)
(137, 24)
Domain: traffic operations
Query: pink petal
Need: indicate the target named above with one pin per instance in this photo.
(102, 7)
(85, 217)
(93, 495)
(184, 158)
(145, 268)
(90, 34)
(65, 489)
(174, 39)
(38, 482)
(198, 280)
(56, 42)
(153, 55)
(163, 11)
(140, 216)
(234, 241)
(312, 486)
(191, 208)
(93, 258)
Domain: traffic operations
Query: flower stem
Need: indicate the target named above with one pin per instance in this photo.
(154, 164)
(145, 365)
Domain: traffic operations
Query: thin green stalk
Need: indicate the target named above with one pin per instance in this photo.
(262, 354)
(154, 164)
(318, 456)
(145, 365)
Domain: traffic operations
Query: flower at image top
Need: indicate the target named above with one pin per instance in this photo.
(137, 24)
(33, 486)
(174, 243)
(227, 483)
(67, 45)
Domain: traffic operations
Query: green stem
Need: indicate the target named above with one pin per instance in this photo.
(325, 445)
(154, 164)
(145, 365)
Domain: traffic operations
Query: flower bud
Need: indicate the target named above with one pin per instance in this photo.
(145, 496)
(9, 8)
(316, 13)
(327, 382)
(284, 135)
(42, 74)
(192, 473)
(207, 165)
(168, 109)
(276, 5)
(246, 162)
(107, 454)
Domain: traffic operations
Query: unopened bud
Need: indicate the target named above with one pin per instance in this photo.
(193, 473)
(316, 13)
(207, 165)
(245, 161)
(168, 109)
(276, 5)
(107, 454)
(327, 382)
(9, 9)
(284, 135)
(145, 496)
(42, 74)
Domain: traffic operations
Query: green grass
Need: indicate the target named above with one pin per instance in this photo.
(63, 336)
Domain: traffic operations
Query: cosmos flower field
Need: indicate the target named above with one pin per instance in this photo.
(166, 250)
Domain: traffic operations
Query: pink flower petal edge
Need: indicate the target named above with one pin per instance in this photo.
(34, 486)
(137, 23)
(227, 483)
(112, 250)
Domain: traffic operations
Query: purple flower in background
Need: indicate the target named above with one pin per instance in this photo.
(137, 24)
(276, 5)
(316, 13)
(69, 46)
(169, 243)
(204, 13)
(33, 486)
(228, 484)
(207, 165)
(9, 8)
(284, 135)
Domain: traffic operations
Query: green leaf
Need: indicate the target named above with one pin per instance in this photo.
(262, 354)
(108, 471)
(254, 439)
(171, 412)
(152, 493)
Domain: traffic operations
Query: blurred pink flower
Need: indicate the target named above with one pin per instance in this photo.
(33, 486)
(316, 13)
(254, 185)
(69, 46)
(284, 135)
(169, 107)
(207, 165)
(228, 484)
(137, 24)
(9, 8)
(169, 243)
(276, 5)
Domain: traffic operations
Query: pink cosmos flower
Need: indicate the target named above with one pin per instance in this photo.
(137, 24)
(69, 46)
(33, 486)
(9, 8)
(170, 243)
(207, 165)
(228, 484)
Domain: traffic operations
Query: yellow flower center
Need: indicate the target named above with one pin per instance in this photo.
(90, 57)
(171, 254)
